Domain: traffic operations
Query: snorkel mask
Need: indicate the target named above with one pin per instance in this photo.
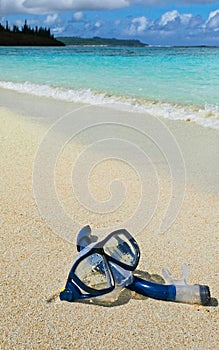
(101, 267)
(105, 267)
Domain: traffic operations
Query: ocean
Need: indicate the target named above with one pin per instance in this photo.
(174, 83)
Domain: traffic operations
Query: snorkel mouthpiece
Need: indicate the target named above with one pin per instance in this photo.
(186, 293)
(205, 295)
(193, 294)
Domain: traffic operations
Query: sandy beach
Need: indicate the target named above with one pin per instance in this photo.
(35, 259)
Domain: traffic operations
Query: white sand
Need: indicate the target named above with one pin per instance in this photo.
(35, 260)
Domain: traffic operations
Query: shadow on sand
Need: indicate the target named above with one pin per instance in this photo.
(126, 294)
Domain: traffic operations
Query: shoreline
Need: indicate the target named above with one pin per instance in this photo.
(206, 116)
(36, 260)
(189, 136)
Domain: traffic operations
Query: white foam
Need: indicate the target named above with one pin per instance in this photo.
(201, 116)
(80, 95)
(206, 117)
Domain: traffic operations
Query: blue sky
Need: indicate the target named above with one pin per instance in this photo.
(156, 22)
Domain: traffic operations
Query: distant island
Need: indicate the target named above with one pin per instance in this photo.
(39, 36)
(97, 41)
(27, 36)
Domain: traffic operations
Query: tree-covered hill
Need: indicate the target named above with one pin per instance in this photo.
(27, 36)
(101, 41)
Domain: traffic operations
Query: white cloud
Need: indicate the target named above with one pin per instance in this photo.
(195, 22)
(51, 19)
(168, 17)
(174, 16)
(51, 6)
(186, 18)
(212, 21)
(8, 7)
(175, 28)
(98, 24)
(58, 30)
(138, 25)
(213, 14)
(78, 16)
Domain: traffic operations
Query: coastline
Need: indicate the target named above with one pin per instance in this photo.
(206, 116)
(190, 136)
(36, 260)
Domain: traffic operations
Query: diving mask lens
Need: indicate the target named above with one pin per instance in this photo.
(93, 273)
(121, 248)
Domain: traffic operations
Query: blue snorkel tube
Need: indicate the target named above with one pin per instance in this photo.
(184, 293)
(176, 291)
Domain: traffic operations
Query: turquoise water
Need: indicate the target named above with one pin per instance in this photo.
(184, 81)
